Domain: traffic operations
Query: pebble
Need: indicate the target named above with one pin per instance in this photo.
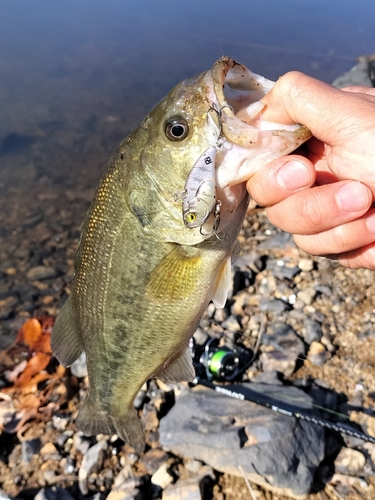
(81, 442)
(79, 367)
(189, 489)
(91, 459)
(307, 295)
(162, 477)
(306, 265)
(41, 273)
(54, 493)
(278, 361)
(311, 331)
(350, 462)
(273, 305)
(317, 354)
(29, 448)
(149, 417)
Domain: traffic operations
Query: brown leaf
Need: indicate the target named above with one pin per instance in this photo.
(36, 364)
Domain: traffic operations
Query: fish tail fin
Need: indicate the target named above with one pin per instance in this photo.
(92, 420)
(66, 341)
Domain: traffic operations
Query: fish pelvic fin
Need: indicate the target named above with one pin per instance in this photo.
(175, 278)
(66, 341)
(180, 370)
(223, 284)
(92, 420)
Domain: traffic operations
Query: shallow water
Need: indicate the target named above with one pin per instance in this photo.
(76, 77)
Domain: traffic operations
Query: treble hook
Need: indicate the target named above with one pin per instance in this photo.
(216, 222)
(219, 114)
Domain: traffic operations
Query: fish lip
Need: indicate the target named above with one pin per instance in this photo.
(253, 87)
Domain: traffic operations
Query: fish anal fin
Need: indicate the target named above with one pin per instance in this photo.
(175, 278)
(92, 420)
(181, 370)
(66, 342)
(223, 284)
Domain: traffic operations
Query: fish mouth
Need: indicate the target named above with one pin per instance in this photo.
(251, 140)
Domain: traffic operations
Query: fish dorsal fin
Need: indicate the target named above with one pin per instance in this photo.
(175, 278)
(180, 370)
(223, 284)
(66, 341)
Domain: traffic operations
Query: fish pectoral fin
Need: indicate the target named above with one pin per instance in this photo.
(66, 342)
(181, 370)
(92, 420)
(175, 278)
(223, 284)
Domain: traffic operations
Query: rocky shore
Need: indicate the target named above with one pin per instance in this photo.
(317, 349)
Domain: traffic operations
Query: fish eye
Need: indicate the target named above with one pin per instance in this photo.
(176, 129)
(190, 217)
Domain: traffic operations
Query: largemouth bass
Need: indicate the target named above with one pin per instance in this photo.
(156, 244)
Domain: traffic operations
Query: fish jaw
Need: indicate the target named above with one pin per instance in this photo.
(250, 141)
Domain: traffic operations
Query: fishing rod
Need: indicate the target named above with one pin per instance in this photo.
(224, 364)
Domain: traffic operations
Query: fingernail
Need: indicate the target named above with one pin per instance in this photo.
(352, 197)
(293, 175)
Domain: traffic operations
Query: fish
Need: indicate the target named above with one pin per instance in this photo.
(157, 243)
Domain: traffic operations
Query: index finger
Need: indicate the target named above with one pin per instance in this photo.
(328, 112)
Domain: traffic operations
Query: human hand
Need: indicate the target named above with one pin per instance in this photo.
(323, 197)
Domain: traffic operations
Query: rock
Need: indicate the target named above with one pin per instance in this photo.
(49, 451)
(140, 399)
(284, 339)
(81, 442)
(79, 367)
(149, 417)
(162, 478)
(281, 270)
(91, 459)
(306, 265)
(274, 450)
(200, 336)
(29, 447)
(312, 331)
(317, 354)
(154, 459)
(41, 273)
(60, 422)
(350, 462)
(307, 295)
(282, 362)
(54, 493)
(126, 489)
(273, 305)
(358, 75)
(190, 489)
